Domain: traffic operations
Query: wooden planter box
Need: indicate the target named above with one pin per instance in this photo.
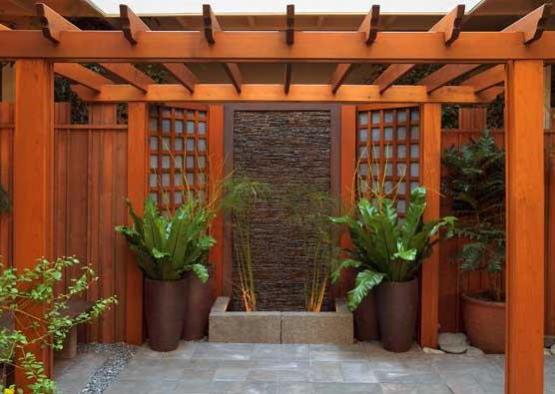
(280, 327)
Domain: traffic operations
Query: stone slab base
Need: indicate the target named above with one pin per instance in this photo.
(280, 327)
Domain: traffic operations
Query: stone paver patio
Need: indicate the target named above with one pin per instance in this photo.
(257, 368)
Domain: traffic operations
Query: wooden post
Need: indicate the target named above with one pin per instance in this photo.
(348, 161)
(524, 108)
(33, 169)
(430, 175)
(216, 166)
(137, 173)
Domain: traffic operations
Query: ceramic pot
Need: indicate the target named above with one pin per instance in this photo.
(198, 301)
(484, 323)
(366, 319)
(164, 303)
(397, 304)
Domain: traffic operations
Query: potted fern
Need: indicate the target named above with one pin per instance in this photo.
(168, 248)
(387, 254)
(475, 183)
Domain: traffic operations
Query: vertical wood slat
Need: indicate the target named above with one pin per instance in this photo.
(6, 179)
(348, 161)
(215, 179)
(550, 235)
(137, 170)
(33, 171)
(524, 121)
(430, 178)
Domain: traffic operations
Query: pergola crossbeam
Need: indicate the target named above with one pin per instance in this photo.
(211, 25)
(53, 23)
(129, 74)
(370, 28)
(274, 93)
(449, 25)
(531, 26)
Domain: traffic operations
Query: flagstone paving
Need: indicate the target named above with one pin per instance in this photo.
(201, 367)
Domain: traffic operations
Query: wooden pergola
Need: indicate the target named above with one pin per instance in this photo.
(483, 64)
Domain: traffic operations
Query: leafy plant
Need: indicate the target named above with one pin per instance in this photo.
(241, 194)
(387, 248)
(308, 210)
(169, 246)
(21, 293)
(475, 182)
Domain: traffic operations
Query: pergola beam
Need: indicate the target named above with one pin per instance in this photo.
(449, 25)
(211, 25)
(132, 26)
(129, 74)
(370, 28)
(268, 93)
(491, 77)
(79, 74)
(531, 26)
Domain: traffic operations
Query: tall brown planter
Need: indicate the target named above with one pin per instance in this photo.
(397, 304)
(366, 319)
(484, 323)
(164, 313)
(198, 302)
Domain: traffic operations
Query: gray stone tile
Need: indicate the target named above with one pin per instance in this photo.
(184, 351)
(296, 388)
(245, 387)
(357, 372)
(170, 369)
(223, 351)
(143, 386)
(325, 371)
(462, 383)
(278, 351)
(407, 377)
(389, 388)
(347, 388)
(231, 373)
(72, 375)
(197, 386)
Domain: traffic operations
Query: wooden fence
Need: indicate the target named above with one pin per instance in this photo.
(91, 185)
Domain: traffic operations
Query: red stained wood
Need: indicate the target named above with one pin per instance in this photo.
(525, 227)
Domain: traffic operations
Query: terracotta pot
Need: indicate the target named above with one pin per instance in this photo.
(198, 301)
(366, 319)
(484, 323)
(397, 304)
(164, 313)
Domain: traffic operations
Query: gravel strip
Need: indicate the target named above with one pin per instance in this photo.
(119, 354)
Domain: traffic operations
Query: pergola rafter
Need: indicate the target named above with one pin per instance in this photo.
(212, 25)
(290, 40)
(449, 25)
(531, 26)
(370, 28)
(132, 25)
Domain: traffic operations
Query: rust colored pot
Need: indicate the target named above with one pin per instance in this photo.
(198, 302)
(164, 313)
(484, 323)
(366, 319)
(397, 310)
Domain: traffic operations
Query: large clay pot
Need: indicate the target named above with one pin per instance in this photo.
(397, 304)
(366, 319)
(164, 305)
(198, 301)
(484, 323)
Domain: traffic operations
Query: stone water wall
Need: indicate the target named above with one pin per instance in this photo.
(282, 148)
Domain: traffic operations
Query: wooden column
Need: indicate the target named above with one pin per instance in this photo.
(430, 175)
(347, 190)
(137, 173)
(216, 164)
(33, 169)
(524, 121)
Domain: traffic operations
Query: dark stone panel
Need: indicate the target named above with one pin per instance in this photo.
(285, 149)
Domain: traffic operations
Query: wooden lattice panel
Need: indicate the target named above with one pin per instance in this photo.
(388, 152)
(178, 158)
